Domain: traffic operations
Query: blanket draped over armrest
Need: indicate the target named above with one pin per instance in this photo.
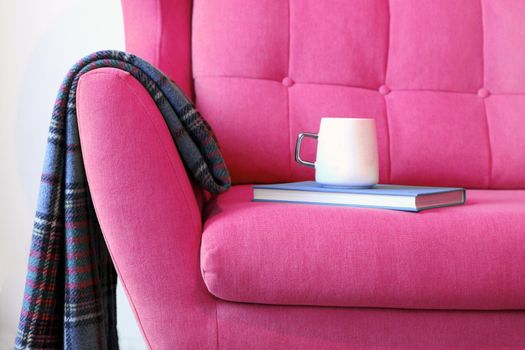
(69, 299)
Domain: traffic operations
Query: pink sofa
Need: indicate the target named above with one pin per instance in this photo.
(445, 82)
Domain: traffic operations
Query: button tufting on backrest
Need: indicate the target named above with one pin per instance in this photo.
(384, 90)
(287, 82)
(483, 93)
(435, 55)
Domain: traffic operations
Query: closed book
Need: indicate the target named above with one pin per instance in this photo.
(396, 197)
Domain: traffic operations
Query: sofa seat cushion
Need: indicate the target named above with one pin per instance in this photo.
(465, 257)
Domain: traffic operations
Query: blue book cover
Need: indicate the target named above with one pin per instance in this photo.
(398, 197)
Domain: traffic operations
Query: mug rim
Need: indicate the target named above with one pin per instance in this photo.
(347, 118)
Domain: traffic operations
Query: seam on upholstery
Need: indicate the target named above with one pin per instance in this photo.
(351, 86)
(387, 59)
(507, 93)
(288, 87)
(100, 71)
(190, 61)
(235, 77)
(203, 274)
(482, 44)
(489, 145)
(184, 194)
(217, 321)
(336, 84)
(438, 90)
(124, 286)
(280, 82)
(387, 121)
(355, 86)
(289, 132)
(289, 36)
(159, 33)
(487, 123)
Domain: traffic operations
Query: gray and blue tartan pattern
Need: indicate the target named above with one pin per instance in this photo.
(70, 299)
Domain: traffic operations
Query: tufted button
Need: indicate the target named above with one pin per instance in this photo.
(384, 90)
(288, 81)
(483, 93)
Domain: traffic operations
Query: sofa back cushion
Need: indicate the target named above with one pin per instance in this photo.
(444, 80)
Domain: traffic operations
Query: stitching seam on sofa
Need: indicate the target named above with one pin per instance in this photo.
(288, 87)
(194, 219)
(389, 141)
(159, 34)
(354, 86)
(217, 321)
(387, 121)
(487, 123)
(203, 273)
(388, 40)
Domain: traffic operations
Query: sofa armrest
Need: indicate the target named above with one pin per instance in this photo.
(147, 209)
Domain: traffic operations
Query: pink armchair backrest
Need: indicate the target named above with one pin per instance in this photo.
(444, 80)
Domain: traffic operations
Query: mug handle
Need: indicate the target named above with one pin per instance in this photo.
(298, 149)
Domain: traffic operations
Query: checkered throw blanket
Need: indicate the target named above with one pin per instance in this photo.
(69, 299)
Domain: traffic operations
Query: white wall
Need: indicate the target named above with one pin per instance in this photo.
(39, 41)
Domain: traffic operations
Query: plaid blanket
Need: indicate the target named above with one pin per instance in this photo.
(69, 299)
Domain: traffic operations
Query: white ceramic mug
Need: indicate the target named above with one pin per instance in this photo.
(346, 152)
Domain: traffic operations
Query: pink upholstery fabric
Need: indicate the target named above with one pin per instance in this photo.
(146, 208)
(248, 326)
(466, 257)
(443, 79)
(150, 221)
(160, 32)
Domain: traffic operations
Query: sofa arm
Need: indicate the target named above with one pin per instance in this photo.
(146, 208)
